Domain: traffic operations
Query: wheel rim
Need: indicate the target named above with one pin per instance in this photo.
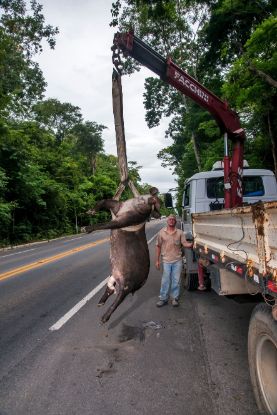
(266, 361)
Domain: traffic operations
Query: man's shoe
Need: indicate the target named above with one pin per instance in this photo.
(161, 303)
(175, 302)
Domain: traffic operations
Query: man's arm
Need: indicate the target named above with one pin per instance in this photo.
(185, 243)
(158, 254)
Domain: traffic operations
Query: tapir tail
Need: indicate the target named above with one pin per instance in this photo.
(118, 300)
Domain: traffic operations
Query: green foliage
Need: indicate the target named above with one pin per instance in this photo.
(244, 85)
(22, 30)
(5, 207)
(46, 187)
(230, 47)
(251, 87)
(51, 177)
(57, 117)
(89, 141)
(230, 25)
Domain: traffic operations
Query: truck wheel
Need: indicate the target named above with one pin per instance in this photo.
(262, 356)
(191, 281)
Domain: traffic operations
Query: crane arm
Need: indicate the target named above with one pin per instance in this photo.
(227, 119)
(169, 72)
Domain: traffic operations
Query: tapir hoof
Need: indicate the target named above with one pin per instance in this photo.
(104, 319)
(100, 304)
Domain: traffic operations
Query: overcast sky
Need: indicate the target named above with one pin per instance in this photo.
(79, 71)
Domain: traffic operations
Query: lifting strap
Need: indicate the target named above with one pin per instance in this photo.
(120, 137)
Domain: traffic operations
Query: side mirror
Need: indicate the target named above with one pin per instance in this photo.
(168, 200)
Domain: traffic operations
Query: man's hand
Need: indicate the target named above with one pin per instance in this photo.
(188, 244)
(158, 266)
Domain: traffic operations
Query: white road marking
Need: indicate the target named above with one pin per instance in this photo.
(81, 303)
(73, 239)
(153, 237)
(77, 307)
(17, 253)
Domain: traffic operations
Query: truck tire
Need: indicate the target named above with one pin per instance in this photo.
(191, 281)
(262, 357)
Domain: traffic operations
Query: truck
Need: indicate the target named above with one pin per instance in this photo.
(232, 212)
(239, 248)
(204, 192)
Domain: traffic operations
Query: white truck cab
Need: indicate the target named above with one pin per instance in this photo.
(205, 191)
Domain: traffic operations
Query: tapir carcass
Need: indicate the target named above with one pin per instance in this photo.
(129, 252)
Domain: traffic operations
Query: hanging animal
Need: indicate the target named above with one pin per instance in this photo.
(129, 252)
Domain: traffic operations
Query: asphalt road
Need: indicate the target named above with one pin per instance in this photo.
(187, 360)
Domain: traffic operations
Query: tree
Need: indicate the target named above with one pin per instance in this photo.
(22, 30)
(251, 86)
(57, 117)
(230, 24)
(5, 207)
(89, 141)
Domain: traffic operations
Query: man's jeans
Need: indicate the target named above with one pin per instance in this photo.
(171, 280)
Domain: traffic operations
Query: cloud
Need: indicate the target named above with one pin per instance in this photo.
(79, 71)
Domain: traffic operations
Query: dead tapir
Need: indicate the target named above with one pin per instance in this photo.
(129, 252)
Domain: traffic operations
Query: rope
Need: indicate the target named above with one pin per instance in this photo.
(117, 97)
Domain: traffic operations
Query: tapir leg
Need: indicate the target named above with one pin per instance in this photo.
(108, 291)
(112, 204)
(119, 298)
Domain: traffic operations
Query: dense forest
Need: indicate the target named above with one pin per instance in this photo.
(52, 164)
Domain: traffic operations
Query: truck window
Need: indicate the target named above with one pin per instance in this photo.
(252, 187)
(186, 197)
(215, 188)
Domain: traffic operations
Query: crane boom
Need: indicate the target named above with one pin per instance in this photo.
(227, 119)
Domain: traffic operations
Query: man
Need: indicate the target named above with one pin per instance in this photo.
(169, 243)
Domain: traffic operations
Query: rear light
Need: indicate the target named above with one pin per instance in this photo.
(272, 286)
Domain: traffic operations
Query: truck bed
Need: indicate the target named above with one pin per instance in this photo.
(242, 240)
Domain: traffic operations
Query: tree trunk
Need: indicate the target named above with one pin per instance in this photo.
(196, 151)
(76, 220)
(93, 164)
(273, 143)
(263, 75)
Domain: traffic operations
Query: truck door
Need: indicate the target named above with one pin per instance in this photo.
(186, 211)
